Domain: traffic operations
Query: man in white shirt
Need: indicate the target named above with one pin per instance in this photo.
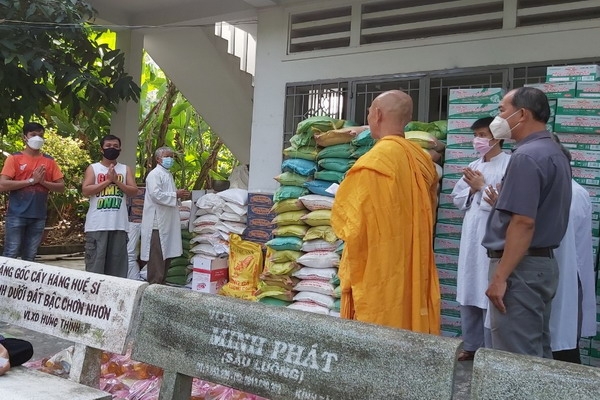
(161, 227)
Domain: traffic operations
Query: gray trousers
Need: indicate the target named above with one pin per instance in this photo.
(106, 253)
(474, 334)
(525, 328)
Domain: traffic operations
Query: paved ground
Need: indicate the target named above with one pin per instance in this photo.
(47, 346)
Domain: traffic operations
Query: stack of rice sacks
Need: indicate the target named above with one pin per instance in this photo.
(276, 282)
(180, 268)
(218, 215)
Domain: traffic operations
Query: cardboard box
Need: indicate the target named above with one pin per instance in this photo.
(577, 124)
(257, 235)
(460, 140)
(573, 73)
(586, 177)
(480, 96)
(458, 110)
(446, 246)
(446, 261)
(578, 141)
(450, 216)
(461, 156)
(208, 276)
(448, 184)
(453, 170)
(450, 308)
(451, 323)
(578, 106)
(461, 125)
(585, 158)
(446, 201)
(447, 277)
(588, 89)
(556, 90)
(448, 292)
(593, 191)
(450, 231)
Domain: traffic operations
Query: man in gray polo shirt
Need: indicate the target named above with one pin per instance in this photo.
(527, 222)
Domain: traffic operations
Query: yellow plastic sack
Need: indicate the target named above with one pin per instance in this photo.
(291, 230)
(289, 218)
(245, 265)
(335, 136)
(287, 205)
(318, 218)
(324, 232)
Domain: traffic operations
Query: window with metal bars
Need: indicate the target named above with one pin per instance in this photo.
(429, 92)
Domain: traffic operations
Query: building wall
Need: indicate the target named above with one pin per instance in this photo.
(275, 68)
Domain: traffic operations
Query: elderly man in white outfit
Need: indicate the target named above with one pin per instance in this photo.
(574, 305)
(468, 195)
(161, 227)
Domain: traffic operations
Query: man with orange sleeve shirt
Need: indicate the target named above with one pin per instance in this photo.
(28, 176)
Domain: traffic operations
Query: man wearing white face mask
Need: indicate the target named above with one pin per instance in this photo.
(527, 222)
(468, 196)
(28, 176)
(161, 227)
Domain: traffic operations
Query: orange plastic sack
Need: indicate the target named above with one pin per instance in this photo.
(245, 266)
(335, 136)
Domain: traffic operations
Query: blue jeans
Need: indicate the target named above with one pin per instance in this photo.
(23, 236)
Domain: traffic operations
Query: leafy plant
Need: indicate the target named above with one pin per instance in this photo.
(50, 57)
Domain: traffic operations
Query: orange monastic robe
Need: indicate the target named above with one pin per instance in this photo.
(384, 211)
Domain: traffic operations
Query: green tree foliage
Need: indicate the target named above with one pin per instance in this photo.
(49, 56)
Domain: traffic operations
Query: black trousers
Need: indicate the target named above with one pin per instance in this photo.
(19, 351)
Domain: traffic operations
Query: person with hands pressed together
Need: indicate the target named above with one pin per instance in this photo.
(468, 195)
(527, 222)
(28, 176)
(107, 183)
(161, 226)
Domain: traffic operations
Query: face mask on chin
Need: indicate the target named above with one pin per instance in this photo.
(35, 142)
(482, 145)
(500, 128)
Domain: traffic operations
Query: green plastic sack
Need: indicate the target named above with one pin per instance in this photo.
(285, 243)
(287, 205)
(289, 192)
(291, 179)
(304, 152)
(179, 261)
(176, 271)
(299, 141)
(361, 151)
(343, 150)
(330, 176)
(364, 139)
(336, 164)
(271, 301)
(180, 280)
(320, 122)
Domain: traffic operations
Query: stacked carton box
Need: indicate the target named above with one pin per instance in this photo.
(464, 108)
(574, 95)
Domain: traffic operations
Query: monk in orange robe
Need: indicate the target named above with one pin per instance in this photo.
(384, 211)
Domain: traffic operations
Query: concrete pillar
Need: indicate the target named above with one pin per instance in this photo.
(125, 121)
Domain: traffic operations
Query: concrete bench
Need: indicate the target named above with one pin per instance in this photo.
(94, 311)
(502, 375)
(285, 354)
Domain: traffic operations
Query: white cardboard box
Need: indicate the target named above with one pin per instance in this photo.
(208, 276)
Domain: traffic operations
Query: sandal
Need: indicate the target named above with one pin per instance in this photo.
(465, 355)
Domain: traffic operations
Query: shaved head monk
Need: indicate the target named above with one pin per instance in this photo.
(384, 211)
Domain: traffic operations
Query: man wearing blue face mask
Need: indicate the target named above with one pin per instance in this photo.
(29, 176)
(107, 183)
(527, 222)
(161, 227)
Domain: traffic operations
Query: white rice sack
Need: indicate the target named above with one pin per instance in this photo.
(205, 229)
(319, 245)
(184, 215)
(214, 249)
(233, 217)
(334, 314)
(230, 207)
(206, 219)
(309, 307)
(315, 286)
(237, 196)
(322, 274)
(317, 202)
(185, 224)
(317, 298)
(231, 227)
(186, 204)
(209, 236)
(319, 259)
(210, 202)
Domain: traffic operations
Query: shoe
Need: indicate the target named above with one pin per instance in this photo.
(465, 355)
